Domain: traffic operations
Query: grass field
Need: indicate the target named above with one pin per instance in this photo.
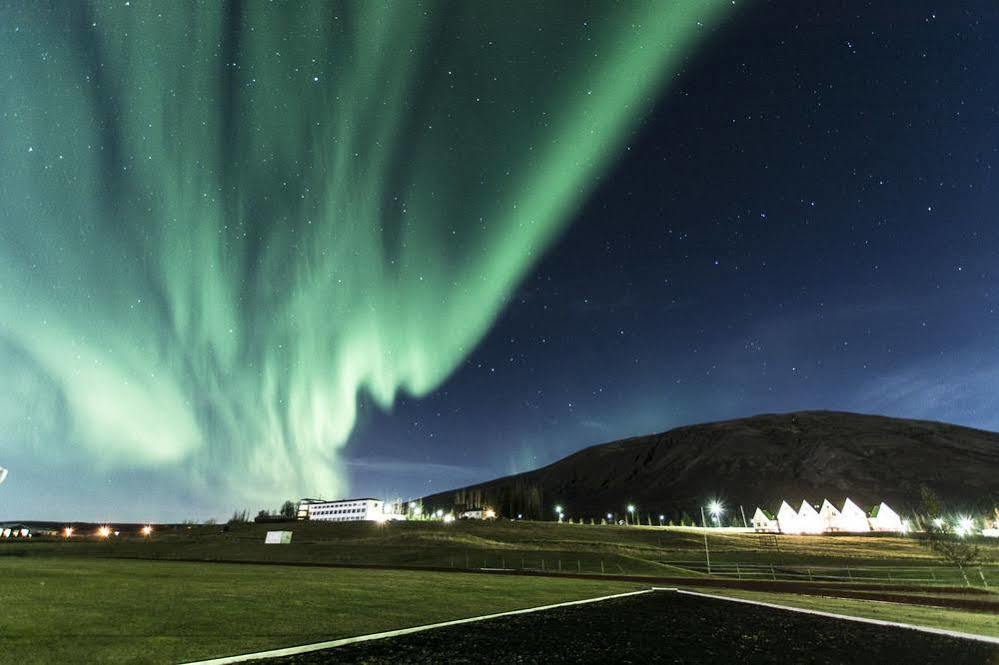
(118, 611)
(980, 623)
(89, 599)
(533, 545)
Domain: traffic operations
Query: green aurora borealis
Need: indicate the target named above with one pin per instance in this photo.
(221, 224)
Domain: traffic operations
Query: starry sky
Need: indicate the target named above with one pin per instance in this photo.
(252, 251)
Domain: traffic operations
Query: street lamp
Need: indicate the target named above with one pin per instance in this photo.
(558, 510)
(716, 510)
(662, 518)
(631, 511)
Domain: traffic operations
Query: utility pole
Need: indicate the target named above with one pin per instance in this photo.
(704, 530)
(744, 522)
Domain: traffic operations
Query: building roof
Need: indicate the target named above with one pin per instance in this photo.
(366, 498)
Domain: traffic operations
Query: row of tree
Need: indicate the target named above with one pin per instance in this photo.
(287, 511)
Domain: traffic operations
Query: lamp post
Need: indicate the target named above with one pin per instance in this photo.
(558, 511)
(716, 511)
(704, 532)
(631, 512)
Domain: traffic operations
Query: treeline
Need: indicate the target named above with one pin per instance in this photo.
(287, 511)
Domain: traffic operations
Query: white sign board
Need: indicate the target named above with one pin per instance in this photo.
(278, 538)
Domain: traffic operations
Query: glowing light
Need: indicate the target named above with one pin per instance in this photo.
(439, 513)
(490, 514)
(448, 518)
(147, 530)
(271, 269)
(631, 508)
(965, 526)
(610, 516)
(939, 523)
(67, 532)
(417, 511)
(104, 531)
(558, 509)
(905, 527)
(715, 508)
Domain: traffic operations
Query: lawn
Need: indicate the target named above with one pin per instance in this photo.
(501, 544)
(57, 609)
(980, 623)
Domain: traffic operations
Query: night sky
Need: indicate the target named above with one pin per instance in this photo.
(252, 252)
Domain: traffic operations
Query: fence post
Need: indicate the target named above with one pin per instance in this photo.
(982, 575)
(579, 566)
(737, 571)
(601, 566)
(542, 563)
(773, 574)
(810, 575)
(849, 573)
(503, 562)
(560, 565)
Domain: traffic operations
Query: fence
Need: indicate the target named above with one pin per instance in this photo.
(987, 576)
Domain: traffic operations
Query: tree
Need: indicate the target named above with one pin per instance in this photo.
(238, 517)
(289, 510)
(940, 538)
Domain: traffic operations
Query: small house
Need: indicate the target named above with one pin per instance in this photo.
(883, 518)
(787, 519)
(830, 516)
(809, 520)
(765, 522)
(852, 519)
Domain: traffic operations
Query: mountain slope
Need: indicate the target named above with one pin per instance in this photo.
(756, 461)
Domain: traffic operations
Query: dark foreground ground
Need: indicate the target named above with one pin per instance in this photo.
(661, 627)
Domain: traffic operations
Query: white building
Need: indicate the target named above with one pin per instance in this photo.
(830, 516)
(809, 520)
(787, 519)
(852, 519)
(883, 518)
(765, 522)
(346, 510)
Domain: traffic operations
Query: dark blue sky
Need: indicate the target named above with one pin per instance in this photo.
(806, 221)
(207, 252)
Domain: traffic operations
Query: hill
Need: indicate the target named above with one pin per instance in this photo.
(755, 461)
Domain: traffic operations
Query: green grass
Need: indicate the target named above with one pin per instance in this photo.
(57, 609)
(573, 547)
(981, 623)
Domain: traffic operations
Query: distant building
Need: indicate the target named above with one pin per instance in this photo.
(830, 516)
(827, 519)
(809, 520)
(346, 510)
(883, 518)
(14, 531)
(765, 522)
(787, 519)
(852, 519)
